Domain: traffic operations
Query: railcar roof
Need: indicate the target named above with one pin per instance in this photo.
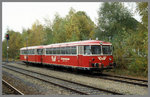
(76, 43)
(31, 47)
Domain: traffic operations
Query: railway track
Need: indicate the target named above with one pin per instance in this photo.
(122, 79)
(12, 88)
(73, 86)
(117, 78)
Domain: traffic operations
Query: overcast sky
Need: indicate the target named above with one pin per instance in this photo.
(19, 15)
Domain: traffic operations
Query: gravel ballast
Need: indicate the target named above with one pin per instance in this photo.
(31, 86)
(96, 82)
(7, 90)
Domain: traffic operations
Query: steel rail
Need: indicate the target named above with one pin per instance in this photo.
(78, 91)
(12, 87)
(107, 77)
(124, 81)
(49, 82)
(130, 78)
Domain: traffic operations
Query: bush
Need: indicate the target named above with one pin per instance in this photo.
(139, 66)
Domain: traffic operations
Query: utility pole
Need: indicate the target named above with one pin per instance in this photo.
(7, 38)
(27, 49)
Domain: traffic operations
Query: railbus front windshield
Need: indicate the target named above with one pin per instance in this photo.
(107, 49)
(98, 50)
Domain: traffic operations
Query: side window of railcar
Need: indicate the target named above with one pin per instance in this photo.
(68, 50)
(47, 51)
(60, 50)
(39, 51)
(73, 50)
(28, 51)
(25, 52)
(21, 52)
(33, 51)
(87, 50)
(57, 50)
(54, 50)
(63, 51)
(51, 50)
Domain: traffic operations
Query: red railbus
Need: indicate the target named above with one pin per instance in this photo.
(93, 55)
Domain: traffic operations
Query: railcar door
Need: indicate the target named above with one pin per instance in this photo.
(39, 56)
(80, 55)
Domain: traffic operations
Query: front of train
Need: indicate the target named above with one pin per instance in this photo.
(100, 56)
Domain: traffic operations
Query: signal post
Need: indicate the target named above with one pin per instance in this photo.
(7, 38)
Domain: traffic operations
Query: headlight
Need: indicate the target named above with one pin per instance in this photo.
(109, 59)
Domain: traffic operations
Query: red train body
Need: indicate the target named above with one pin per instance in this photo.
(85, 55)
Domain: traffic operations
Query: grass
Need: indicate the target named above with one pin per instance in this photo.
(125, 72)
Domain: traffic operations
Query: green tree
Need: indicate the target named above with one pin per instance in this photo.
(128, 36)
(115, 23)
(86, 25)
(36, 34)
(48, 36)
(142, 9)
(142, 38)
(79, 25)
(72, 30)
(48, 32)
(58, 28)
(114, 19)
(15, 43)
(75, 26)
